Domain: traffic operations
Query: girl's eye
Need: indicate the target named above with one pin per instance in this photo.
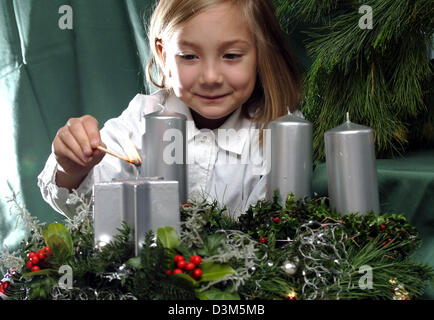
(188, 56)
(232, 56)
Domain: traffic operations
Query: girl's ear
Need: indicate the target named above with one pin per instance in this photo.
(160, 51)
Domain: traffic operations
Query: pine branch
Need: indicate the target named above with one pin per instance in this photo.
(377, 75)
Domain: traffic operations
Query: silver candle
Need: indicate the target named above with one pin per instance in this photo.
(143, 204)
(164, 148)
(291, 157)
(351, 169)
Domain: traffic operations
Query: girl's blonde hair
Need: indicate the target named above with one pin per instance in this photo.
(277, 86)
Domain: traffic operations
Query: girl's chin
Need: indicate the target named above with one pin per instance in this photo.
(209, 114)
(213, 116)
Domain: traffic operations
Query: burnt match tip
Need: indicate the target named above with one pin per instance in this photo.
(136, 163)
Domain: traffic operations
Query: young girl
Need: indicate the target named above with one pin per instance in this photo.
(224, 64)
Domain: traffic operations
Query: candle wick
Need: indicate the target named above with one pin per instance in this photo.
(348, 117)
(137, 168)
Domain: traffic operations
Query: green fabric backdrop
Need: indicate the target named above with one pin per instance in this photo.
(48, 75)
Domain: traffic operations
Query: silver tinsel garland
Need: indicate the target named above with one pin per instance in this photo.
(240, 246)
(323, 257)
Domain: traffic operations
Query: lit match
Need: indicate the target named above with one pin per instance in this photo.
(137, 161)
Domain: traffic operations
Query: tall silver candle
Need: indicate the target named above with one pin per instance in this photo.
(291, 157)
(164, 148)
(351, 168)
(143, 204)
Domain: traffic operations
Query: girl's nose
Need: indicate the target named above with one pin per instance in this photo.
(210, 74)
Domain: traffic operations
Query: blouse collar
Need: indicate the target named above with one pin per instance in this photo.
(232, 140)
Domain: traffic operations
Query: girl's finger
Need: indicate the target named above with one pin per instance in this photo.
(62, 150)
(90, 124)
(75, 127)
(71, 144)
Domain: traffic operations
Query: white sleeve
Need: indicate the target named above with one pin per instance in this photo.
(57, 197)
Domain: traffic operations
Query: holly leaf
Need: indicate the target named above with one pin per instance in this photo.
(217, 294)
(187, 279)
(213, 271)
(211, 244)
(58, 238)
(168, 237)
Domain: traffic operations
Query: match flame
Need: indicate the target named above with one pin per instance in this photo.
(132, 153)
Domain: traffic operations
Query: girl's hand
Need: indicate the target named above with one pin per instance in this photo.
(75, 150)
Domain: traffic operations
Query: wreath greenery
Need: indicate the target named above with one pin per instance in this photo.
(299, 250)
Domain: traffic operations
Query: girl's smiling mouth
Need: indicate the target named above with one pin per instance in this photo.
(212, 97)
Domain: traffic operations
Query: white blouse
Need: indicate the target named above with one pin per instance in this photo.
(225, 164)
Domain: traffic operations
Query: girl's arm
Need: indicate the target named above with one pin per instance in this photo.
(56, 185)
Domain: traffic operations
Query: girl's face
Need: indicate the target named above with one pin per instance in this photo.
(211, 61)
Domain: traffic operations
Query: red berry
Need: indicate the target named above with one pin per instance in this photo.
(383, 227)
(29, 264)
(178, 257)
(262, 240)
(196, 260)
(276, 219)
(47, 249)
(187, 204)
(35, 268)
(41, 255)
(389, 240)
(291, 214)
(31, 254)
(190, 266)
(35, 260)
(197, 273)
(182, 264)
(176, 271)
(169, 272)
(384, 243)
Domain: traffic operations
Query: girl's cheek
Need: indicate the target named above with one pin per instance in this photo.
(187, 76)
(240, 77)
